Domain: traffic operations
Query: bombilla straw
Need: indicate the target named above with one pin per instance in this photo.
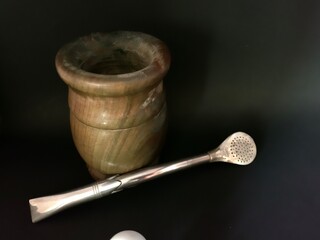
(239, 148)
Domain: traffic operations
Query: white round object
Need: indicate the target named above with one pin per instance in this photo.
(128, 235)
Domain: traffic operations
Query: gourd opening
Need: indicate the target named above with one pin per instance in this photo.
(114, 61)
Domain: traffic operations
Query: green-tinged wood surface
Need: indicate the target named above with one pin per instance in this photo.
(116, 99)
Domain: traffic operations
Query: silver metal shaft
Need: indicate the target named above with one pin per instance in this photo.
(139, 176)
(44, 207)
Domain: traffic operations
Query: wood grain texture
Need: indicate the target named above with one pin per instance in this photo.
(116, 99)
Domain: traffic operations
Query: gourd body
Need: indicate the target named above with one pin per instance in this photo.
(116, 99)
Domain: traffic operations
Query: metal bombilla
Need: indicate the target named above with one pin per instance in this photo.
(239, 148)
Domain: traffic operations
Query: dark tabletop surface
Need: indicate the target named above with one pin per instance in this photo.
(237, 65)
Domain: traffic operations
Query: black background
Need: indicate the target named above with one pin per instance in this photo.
(236, 65)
